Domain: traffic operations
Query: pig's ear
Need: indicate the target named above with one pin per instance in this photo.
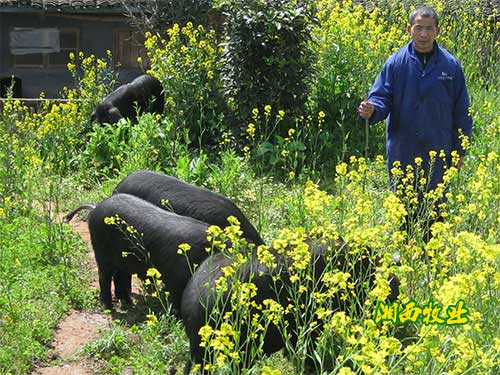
(114, 115)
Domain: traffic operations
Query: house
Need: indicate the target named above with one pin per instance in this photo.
(36, 37)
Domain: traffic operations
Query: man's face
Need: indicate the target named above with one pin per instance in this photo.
(423, 33)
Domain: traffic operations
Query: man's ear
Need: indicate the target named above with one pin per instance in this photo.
(408, 28)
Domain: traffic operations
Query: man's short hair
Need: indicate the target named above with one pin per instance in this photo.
(423, 11)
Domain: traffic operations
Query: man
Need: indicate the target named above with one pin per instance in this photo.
(421, 91)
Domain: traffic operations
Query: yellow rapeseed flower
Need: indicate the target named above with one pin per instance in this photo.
(151, 319)
(251, 130)
(183, 248)
(153, 273)
(267, 370)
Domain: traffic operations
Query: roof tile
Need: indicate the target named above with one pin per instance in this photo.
(46, 4)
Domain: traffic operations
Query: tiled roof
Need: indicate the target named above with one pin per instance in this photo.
(65, 4)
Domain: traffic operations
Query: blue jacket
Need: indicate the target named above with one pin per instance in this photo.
(425, 108)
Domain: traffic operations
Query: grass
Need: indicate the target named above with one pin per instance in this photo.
(35, 291)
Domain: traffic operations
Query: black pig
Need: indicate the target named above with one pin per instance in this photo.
(120, 253)
(144, 92)
(187, 200)
(200, 298)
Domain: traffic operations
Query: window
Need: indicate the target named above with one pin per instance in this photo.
(68, 39)
(128, 46)
(42, 48)
(34, 60)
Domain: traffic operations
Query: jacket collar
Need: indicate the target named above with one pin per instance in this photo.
(413, 53)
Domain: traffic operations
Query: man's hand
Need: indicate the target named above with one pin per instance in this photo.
(366, 109)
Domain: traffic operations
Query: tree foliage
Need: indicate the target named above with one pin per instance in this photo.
(157, 15)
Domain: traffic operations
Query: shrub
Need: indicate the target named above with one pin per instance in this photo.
(267, 59)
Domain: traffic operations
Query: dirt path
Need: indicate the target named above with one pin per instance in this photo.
(79, 327)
